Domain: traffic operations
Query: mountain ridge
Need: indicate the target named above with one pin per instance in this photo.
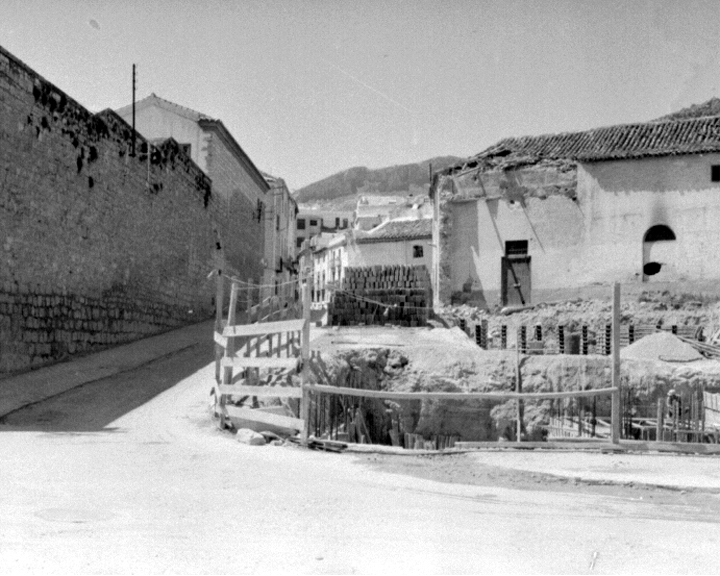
(342, 189)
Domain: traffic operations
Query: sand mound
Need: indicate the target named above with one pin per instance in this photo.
(661, 346)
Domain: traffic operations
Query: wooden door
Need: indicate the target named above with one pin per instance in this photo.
(516, 280)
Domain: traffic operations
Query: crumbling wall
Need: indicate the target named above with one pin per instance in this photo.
(96, 247)
(470, 265)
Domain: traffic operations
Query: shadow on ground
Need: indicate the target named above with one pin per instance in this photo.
(93, 406)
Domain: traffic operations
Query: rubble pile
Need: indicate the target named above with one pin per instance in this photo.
(661, 346)
(692, 315)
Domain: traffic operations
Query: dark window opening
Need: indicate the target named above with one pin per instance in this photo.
(313, 222)
(345, 222)
(298, 242)
(337, 222)
(659, 232)
(277, 222)
(301, 224)
(417, 251)
(715, 173)
(516, 248)
(651, 268)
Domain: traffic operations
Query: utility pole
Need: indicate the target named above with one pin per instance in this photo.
(133, 111)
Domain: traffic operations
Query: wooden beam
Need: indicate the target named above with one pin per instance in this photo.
(305, 353)
(263, 328)
(262, 391)
(593, 444)
(254, 415)
(254, 362)
(456, 395)
(615, 432)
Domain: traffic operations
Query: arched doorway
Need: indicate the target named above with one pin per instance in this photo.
(659, 256)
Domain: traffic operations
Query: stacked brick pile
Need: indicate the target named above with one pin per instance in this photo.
(399, 295)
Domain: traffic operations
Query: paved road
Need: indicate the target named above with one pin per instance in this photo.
(101, 480)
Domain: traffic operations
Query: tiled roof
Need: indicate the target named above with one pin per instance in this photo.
(625, 141)
(397, 230)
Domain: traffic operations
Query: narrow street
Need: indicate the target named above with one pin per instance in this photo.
(101, 479)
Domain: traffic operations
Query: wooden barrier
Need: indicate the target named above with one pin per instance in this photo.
(342, 391)
(260, 350)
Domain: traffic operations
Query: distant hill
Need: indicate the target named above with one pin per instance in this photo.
(340, 191)
(709, 108)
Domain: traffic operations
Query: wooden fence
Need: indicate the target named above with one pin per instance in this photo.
(257, 353)
(356, 420)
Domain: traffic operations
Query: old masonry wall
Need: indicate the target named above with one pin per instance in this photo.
(97, 247)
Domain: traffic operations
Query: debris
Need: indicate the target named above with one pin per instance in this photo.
(250, 437)
(269, 436)
(326, 445)
(661, 346)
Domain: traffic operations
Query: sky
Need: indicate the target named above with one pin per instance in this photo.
(312, 87)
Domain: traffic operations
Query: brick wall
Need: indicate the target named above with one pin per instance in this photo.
(96, 247)
(399, 295)
(237, 195)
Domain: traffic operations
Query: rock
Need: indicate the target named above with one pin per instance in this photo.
(247, 436)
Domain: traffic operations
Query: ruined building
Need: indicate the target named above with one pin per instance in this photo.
(547, 217)
(98, 246)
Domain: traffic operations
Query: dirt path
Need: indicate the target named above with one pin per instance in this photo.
(153, 487)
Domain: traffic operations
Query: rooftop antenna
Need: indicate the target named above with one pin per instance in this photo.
(133, 111)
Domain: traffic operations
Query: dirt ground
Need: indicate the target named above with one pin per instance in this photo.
(97, 481)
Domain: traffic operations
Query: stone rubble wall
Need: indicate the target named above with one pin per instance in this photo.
(97, 247)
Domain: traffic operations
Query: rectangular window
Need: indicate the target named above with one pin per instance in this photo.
(299, 242)
(516, 248)
(277, 222)
(715, 173)
(313, 222)
(417, 251)
(337, 222)
(345, 222)
(301, 224)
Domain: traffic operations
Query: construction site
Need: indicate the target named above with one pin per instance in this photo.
(383, 368)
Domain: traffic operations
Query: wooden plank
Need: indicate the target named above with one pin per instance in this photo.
(220, 339)
(594, 444)
(305, 344)
(264, 328)
(457, 395)
(264, 417)
(262, 391)
(251, 362)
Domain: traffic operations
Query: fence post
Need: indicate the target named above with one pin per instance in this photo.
(229, 352)
(615, 435)
(305, 407)
(660, 427)
(518, 389)
(219, 301)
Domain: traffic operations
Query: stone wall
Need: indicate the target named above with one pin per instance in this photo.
(239, 211)
(96, 247)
